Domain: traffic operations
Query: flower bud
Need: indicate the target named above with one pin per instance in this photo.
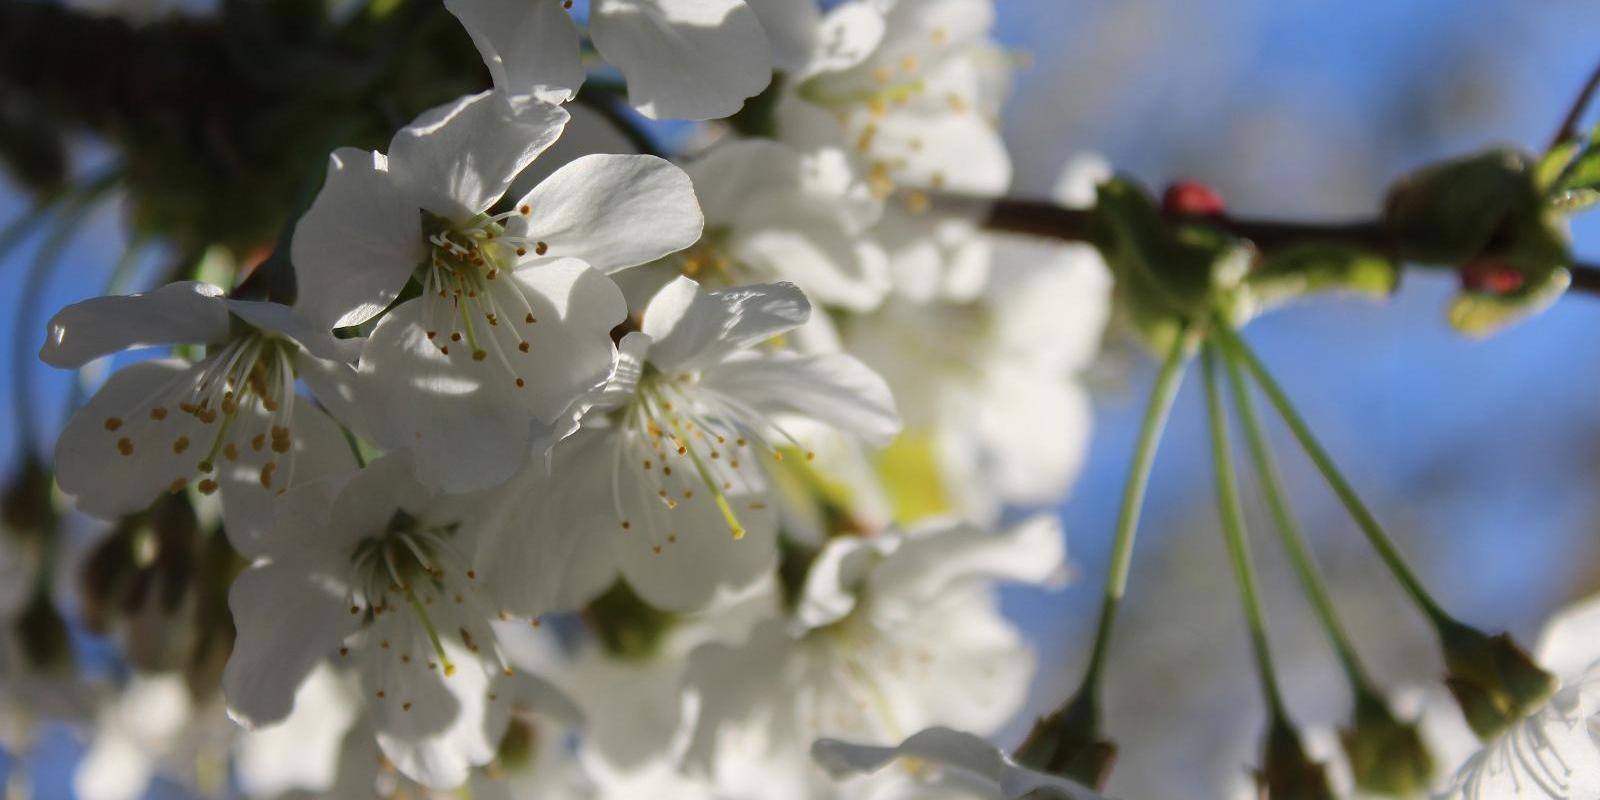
(1067, 743)
(1491, 276)
(1387, 756)
(1492, 679)
(1287, 771)
(1192, 199)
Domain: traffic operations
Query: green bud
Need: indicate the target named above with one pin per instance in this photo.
(1287, 771)
(1313, 267)
(1493, 680)
(1067, 743)
(1169, 274)
(1387, 755)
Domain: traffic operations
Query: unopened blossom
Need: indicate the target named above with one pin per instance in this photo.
(669, 471)
(892, 633)
(774, 213)
(372, 572)
(228, 423)
(682, 59)
(990, 388)
(1554, 752)
(966, 764)
(911, 88)
(512, 321)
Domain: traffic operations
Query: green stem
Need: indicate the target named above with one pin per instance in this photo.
(1155, 419)
(1234, 534)
(1364, 519)
(1289, 531)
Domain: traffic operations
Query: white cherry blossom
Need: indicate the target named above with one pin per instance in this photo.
(910, 87)
(991, 387)
(229, 423)
(373, 571)
(668, 472)
(511, 322)
(892, 633)
(774, 213)
(682, 59)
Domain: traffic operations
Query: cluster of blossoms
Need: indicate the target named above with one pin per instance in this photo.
(576, 473)
(534, 465)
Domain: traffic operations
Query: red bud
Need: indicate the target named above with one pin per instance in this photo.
(1192, 199)
(1491, 277)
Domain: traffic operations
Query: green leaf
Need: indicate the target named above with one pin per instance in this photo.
(1479, 314)
(1448, 212)
(1317, 267)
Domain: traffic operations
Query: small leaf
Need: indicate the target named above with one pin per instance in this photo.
(1554, 163)
(1480, 314)
(1317, 267)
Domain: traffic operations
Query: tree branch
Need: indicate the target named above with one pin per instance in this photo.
(1569, 123)
(1048, 220)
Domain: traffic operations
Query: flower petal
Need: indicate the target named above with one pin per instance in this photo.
(131, 442)
(530, 48)
(457, 159)
(530, 559)
(287, 322)
(952, 749)
(692, 328)
(358, 244)
(457, 414)
(684, 59)
(178, 313)
(791, 28)
(436, 728)
(612, 211)
(833, 388)
(302, 752)
(252, 478)
(288, 619)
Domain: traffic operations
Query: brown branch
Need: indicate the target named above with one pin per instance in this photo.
(1048, 220)
(1569, 123)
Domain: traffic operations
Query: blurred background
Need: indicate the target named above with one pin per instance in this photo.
(1479, 456)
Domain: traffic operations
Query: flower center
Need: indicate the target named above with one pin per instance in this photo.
(252, 368)
(410, 572)
(685, 437)
(469, 303)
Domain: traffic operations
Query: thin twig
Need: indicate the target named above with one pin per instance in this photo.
(1048, 220)
(1569, 123)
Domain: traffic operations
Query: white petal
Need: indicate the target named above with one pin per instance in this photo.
(934, 559)
(457, 414)
(114, 768)
(358, 244)
(848, 36)
(833, 582)
(954, 750)
(799, 238)
(833, 388)
(570, 350)
(456, 160)
(250, 489)
(115, 457)
(684, 59)
(1570, 641)
(612, 211)
(791, 28)
(692, 328)
(1033, 433)
(178, 313)
(288, 619)
(530, 47)
(448, 728)
(678, 555)
(735, 170)
(286, 321)
(302, 752)
(531, 559)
